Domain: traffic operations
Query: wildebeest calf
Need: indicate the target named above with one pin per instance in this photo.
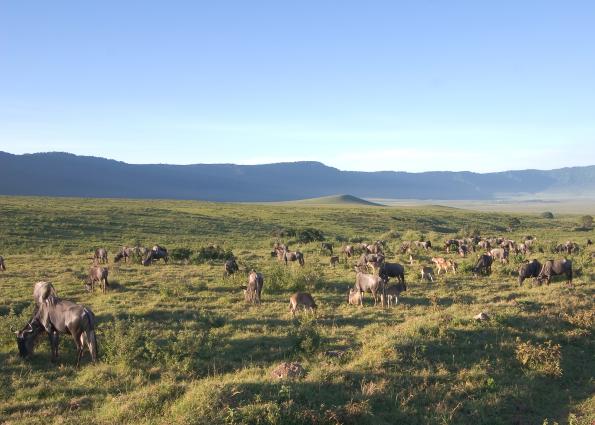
(334, 260)
(303, 299)
(100, 256)
(392, 293)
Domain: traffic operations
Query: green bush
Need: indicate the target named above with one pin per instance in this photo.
(180, 254)
(547, 214)
(211, 252)
(306, 336)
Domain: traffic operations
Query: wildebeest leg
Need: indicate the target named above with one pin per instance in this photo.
(54, 341)
(78, 341)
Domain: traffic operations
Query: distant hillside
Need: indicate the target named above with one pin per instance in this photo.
(63, 174)
(335, 200)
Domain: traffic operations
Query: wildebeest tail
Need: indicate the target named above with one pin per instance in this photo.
(91, 337)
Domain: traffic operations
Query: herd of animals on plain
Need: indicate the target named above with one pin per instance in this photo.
(57, 316)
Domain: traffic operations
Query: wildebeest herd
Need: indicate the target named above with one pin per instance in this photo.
(56, 316)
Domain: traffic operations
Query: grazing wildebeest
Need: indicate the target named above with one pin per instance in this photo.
(450, 243)
(2, 265)
(529, 269)
(555, 267)
(254, 288)
(396, 270)
(57, 316)
(392, 293)
(443, 264)
(230, 267)
(100, 255)
(327, 246)
(293, 256)
(156, 253)
(347, 251)
(426, 245)
(124, 253)
(97, 274)
(303, 299)
(334, 260)
(483, 265)
(500, 254)
(427, 273)
(368, 282)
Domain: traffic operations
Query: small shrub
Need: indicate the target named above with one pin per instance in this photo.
(544, 358)
(547, 214)
(180, 254)
(308, 235)
(306, 336)
(211, 252)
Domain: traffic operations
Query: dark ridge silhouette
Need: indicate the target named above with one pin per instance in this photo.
(64, 174)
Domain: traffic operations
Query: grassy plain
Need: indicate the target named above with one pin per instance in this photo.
(178, 344)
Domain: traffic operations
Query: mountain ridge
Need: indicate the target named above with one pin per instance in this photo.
(66, 174)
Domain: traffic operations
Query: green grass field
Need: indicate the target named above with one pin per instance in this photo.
(178, 345)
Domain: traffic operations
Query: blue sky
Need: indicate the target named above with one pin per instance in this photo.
(413, 86)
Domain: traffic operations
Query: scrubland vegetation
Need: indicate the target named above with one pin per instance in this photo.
(178, 344)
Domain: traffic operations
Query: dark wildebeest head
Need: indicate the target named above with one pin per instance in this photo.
(26, 337)
(530, 269)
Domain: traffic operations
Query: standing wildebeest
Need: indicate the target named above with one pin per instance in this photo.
(57, 316)
(100, 255)
(254, 288)
(97, 274)
(158, 252)
(483, 265)
(327, 246)
(124, 253)
(293, 256)
(554, 268)
(427, 273)
(388, 270)
(347, 251)
(500, 254)
(392, 293)
(405, 247)
(334, 260)
(2, 265)
(463, 250)
(529, 269)
(301, 299)
(484, 244)
(369, 282)
(230, 267)
(426, 245)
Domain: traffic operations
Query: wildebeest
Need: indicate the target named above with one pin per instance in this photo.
(374, 260)
(253, 290)
(448, 244)
(426, 245)
(405, 247)
(97, 274)
(427, 273)
(500, 254)
(2, 265)
(484, 244)
(334, 260)
(483, 265)
(41, 291)
(555, 267)
(443, 264)
(57, 316)
(368, 282)
(392, 293)
(293, 256)
(463, 250)
(230, 267)
(396, 270)
(347, 251)
(327, 246)
(529, 269)
(100, 256)
(156, 253)
(124, 253)
(303, 299)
